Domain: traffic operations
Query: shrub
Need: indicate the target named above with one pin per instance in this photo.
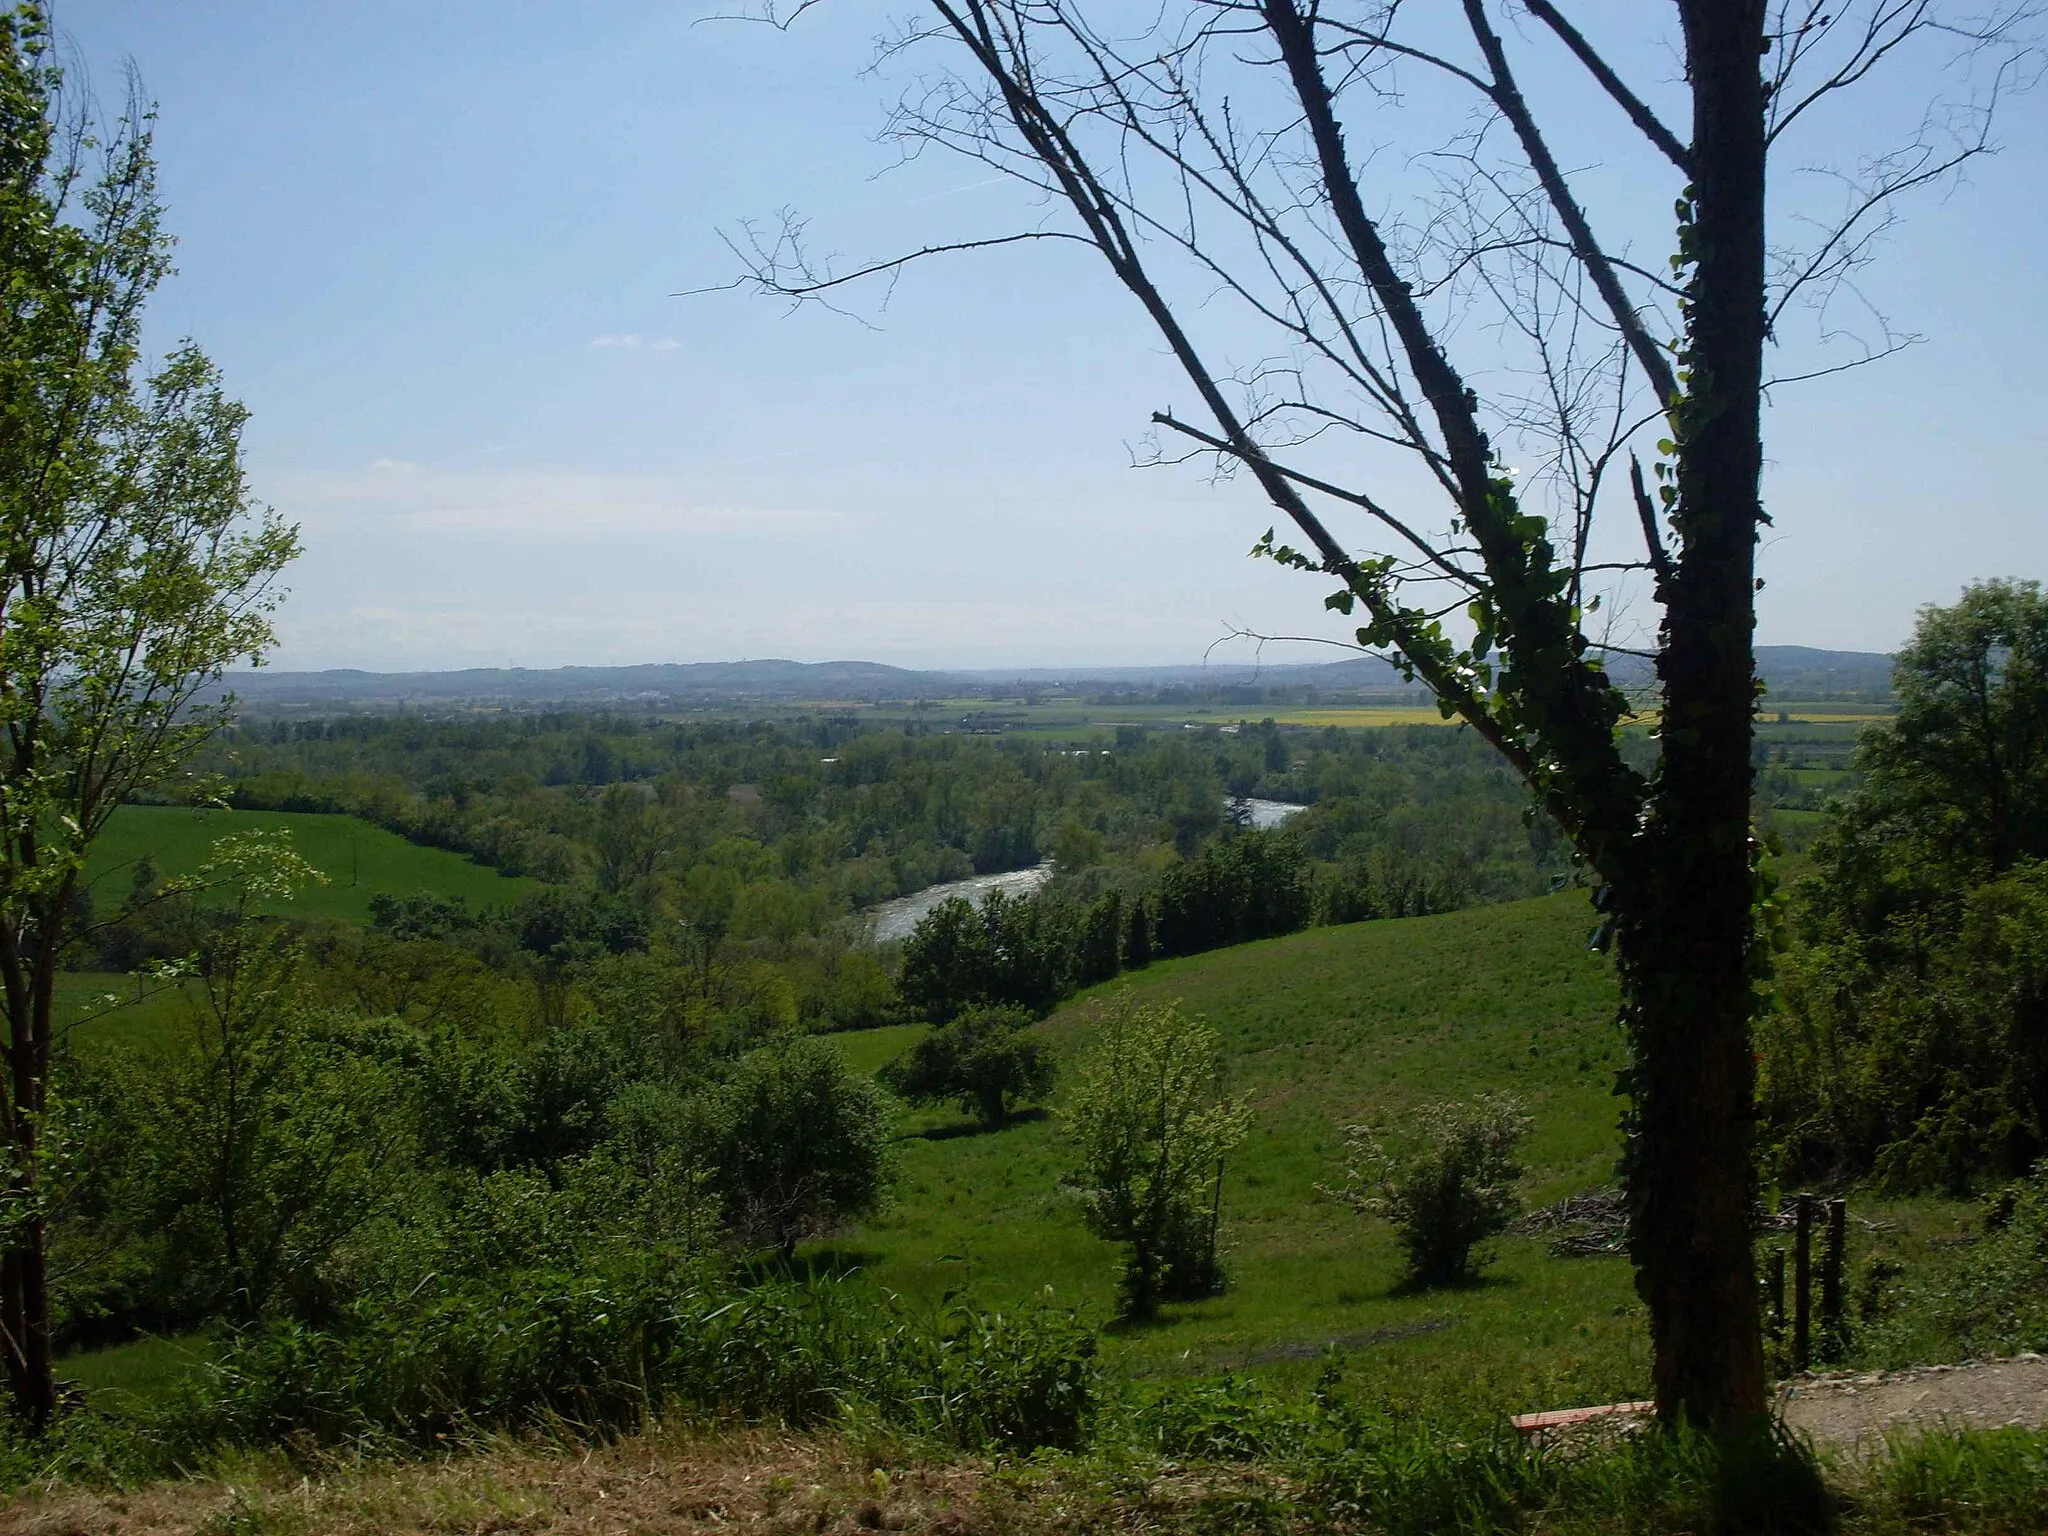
(606, 1347)
(795, 1142)
(218, 1173)
(982, 1060)
(1444, 1176)
(1152, 1137)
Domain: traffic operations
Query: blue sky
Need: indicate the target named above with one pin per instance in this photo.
(437, 249)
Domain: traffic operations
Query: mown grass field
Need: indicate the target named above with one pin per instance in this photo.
(98, 1008)
(359, 860)
(1321, 1029)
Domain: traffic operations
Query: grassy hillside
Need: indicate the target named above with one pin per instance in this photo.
(359, 860)
(1321, 1029)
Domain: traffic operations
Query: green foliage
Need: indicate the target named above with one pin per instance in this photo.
(796, 1143)
(1964, 765)
(1151, 1138)
(1913, 1041)
(1251, 886)
(1926, 1065)
(134, 570)
(1983, 1299)
(1031, 951)
(220, 1174)
(1445, 1176)
(983, 1060)
(605, 1347)
(1010, 950)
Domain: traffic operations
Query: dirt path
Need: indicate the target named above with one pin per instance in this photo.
(1852, 1411)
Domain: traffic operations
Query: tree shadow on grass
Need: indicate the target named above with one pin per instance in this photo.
(960, 1128)
(1410, 1286)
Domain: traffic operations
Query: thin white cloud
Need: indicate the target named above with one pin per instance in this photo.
(633, 341)
(530, 504)
(389, 465)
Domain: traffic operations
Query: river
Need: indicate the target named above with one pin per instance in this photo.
(894, 919)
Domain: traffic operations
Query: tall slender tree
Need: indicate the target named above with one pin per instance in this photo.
(134, 570)
(1427, 312)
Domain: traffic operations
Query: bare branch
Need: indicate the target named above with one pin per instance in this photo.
(1638, 112)
(1648, 354)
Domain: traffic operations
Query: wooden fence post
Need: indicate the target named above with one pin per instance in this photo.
(1832, 1259)
(1802, 1282)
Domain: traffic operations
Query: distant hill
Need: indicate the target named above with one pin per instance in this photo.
(1789, 671)
(1801, 672)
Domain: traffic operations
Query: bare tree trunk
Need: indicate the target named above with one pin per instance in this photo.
(24, 1272)
(1687, 939)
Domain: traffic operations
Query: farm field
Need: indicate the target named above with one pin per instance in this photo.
(1320, 1029)
(95, 1009)
(1780, 722)
(360, 860)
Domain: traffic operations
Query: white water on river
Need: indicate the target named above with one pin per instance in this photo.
(894, 919)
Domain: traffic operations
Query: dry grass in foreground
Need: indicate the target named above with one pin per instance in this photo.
(666, 1481)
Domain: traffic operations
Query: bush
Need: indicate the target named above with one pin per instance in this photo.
(982, 1060)
(216, 1174)
(795, 1143)
(605, 1348)
(1445, 1177)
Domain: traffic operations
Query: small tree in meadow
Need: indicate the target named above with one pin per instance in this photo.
(1152, 1135)
(1445, 1176)
(983, 1060)
(797, 1143)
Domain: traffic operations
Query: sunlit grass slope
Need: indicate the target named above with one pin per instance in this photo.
(1321, 1029)
(359, 860)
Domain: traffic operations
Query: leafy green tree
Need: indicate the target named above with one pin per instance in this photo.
(133, 572)
(1913, 1041)
(1009, 950)
(796, 1142)
(1099, 943)
(1151, 1136)
(948, 962)
(1964, 765)
(1251, 886)
(628, 836)
(983, 1060)
(268, 1141)
(1444, 1176)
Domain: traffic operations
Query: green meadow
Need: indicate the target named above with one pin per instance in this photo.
(1319, 1030)
(359, 860)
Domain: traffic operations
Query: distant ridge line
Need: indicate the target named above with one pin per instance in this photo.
(1790, 671)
